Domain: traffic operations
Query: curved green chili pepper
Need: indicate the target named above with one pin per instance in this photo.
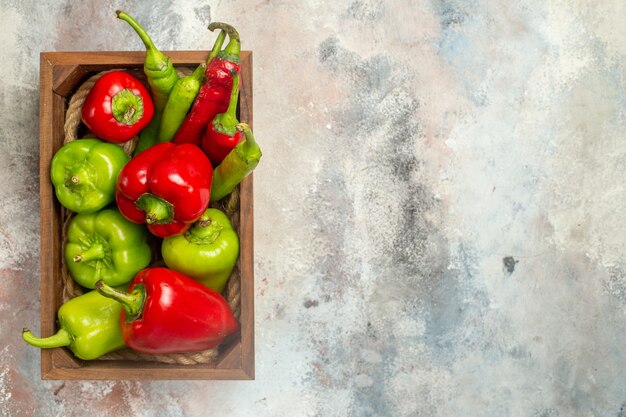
(180, 101)
(161, 77)
(240, 162)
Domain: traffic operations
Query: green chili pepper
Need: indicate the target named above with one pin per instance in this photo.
(207, 252)
(183, 95)
(88, 324)
(240, 162)
(83, 173)
(104, 245)
(178, 104)
(161, 77)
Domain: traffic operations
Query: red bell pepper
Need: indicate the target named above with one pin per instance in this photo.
(167, 186)
(213, 97)
(165, 311)
(117, 107)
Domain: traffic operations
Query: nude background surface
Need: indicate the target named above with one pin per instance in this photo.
(439, 210)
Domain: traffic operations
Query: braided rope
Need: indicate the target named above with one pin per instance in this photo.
(71, 289)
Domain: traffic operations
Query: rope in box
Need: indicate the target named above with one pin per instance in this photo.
(71, 289)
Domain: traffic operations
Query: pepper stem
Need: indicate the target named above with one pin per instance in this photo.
(234, 44)
(234, 96)
(250, 144)
(94, 252)
(158, 211)
(217, 46)
(155, 60)
(198, 74)
(78, 176)
(131, 302)
(225, 122)
(61, 338)
(205, 230)
(145, 38)
(127, 108)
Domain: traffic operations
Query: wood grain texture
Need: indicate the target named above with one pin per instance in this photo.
(60, 74)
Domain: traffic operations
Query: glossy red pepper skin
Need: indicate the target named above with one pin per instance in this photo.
(118, 107)
(167, 186)
(211, 100)
(173, 314)
(214, 95)
(218, 145)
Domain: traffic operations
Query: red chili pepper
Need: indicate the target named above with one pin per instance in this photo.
(221, 135)
(117, 107)
(167, 186)
(168, 312)
(213, 97)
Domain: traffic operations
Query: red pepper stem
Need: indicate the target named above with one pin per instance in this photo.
(158, 211)
(217, 46)
(234, 96)
(127, 108)
(131, 302)
(234, 44)
(61, 338)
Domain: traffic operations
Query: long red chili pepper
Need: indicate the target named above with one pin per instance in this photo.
(214, 94)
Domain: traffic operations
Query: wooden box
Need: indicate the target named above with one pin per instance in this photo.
(60, 74)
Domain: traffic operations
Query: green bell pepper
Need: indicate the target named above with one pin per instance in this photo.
(84, 172)
(104, 245)
(207, 252)
(88, 324)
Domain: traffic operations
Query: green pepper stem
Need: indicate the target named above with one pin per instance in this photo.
(94, 252)
(234, 96)
(234, 44)
(225, 122)
(61, 338)
(78, 176)
(127, 108)
(204, 231)
(155, 60)
(249, 146)
(131, 302)
(145, 38)
(158, 211)
(198, 74)
(217, 46)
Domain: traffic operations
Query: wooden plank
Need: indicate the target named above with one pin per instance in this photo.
(247, 274)
(46, 258)
(245, 94)
(100, 60)
(246, 215)
(122, 371)
(65, 78)
(231, 358)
